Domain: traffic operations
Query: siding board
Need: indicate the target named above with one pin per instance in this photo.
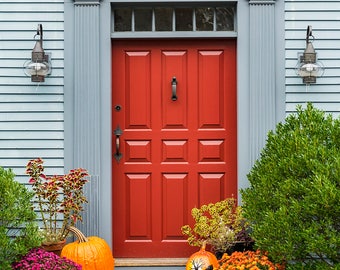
(33, 7)
(35, 144)
(324, 82)
(23, 116)
(31, 98)
(327, 54)
(22, 81)
(31, 114)
(330, 106)
(18, 55)
(313, 97)
(301, 25)
(312, 15)
(16, 71)
(34, 1)
(316, 6)
(29, 44)
(27, 35)
(31, 126)
(32, 17)
(13, 153)
(30, 135)
(27, 26)
(33, 88)
(30, 107)
(334, 88)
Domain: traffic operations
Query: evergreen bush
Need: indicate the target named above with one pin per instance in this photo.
(293, 198)
(18, 229)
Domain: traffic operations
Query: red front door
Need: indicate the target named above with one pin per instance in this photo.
(174, 153)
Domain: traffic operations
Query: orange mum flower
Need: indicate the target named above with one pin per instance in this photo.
(248, 260)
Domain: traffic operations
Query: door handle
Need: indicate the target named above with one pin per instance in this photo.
(118, 132)
(174, 89)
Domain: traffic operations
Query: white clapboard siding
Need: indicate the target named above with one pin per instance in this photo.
(31, 114)
(324, 17)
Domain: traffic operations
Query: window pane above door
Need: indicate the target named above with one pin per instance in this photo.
(123, 19)
(184, 19)
(162, 20)
(143, 19)
(224, 19)
(204, 19)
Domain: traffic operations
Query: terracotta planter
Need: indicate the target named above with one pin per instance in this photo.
(54, 247)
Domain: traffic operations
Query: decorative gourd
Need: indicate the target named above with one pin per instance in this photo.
(92, 253)
(202, 260)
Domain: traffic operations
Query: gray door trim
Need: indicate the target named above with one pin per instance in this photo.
(260, 91)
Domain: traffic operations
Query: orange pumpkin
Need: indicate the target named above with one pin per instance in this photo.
(202, 260)
(92, 253)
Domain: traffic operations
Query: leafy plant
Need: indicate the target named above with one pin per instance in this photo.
(312, 266)
(248, 260)
(38, 258)
(18, 229)
(294, 194)
(57, 195)
(219, 224)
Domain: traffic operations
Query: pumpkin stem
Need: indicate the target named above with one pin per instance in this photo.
(203, 245)
(81, 237)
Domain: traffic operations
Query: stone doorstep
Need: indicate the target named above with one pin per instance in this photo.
(123, 262)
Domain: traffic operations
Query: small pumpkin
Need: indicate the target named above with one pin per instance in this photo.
(202, 260)
(92, 253)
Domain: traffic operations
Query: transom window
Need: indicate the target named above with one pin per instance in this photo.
(181, 20)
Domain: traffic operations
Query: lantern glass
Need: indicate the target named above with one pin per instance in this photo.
(37, 69)
(309, 70)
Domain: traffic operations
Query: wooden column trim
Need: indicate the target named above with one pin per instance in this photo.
(262, 73)
(86, 102)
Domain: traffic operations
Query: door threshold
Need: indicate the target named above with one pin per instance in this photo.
(150, 261)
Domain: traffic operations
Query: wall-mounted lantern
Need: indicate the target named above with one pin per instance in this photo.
(308, 68)
(39, 66)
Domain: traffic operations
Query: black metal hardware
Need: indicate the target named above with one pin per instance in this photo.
(174, 89)
(118, 132)
(118, 107)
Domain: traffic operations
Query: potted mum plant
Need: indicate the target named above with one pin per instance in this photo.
(59, 200)
(248, 260)
(38, 258)
(221, 225)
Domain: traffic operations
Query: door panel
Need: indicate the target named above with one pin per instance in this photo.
(176, 155)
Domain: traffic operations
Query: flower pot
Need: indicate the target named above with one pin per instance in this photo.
(241, 246)
(54, 247)
(237, 246)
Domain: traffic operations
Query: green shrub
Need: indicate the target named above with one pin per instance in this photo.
(18, 229)
(293, 198)
(312, 266)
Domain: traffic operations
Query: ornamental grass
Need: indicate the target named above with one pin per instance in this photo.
(248, 260)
